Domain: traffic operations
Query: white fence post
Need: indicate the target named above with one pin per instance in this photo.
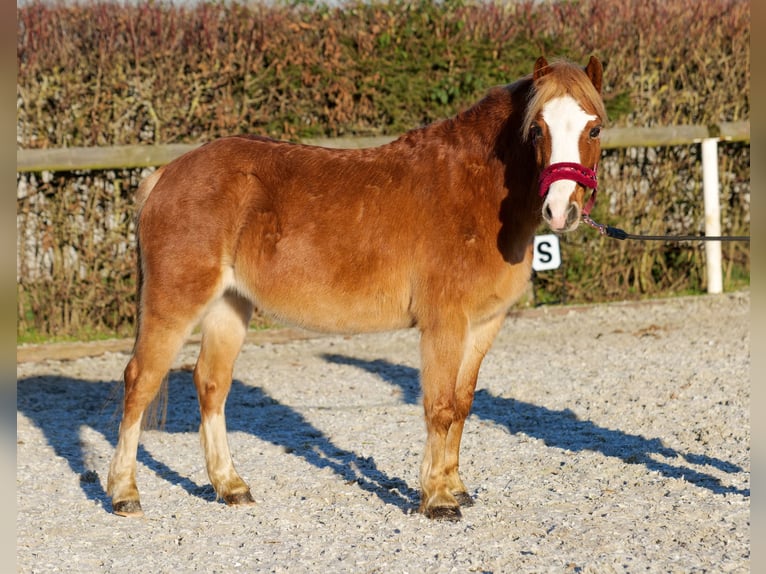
(712, 214)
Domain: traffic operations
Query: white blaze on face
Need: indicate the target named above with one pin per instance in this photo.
(566, 120)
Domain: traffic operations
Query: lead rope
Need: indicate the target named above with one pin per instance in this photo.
(617, 233)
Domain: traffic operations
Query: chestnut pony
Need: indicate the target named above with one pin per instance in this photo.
(433, 230)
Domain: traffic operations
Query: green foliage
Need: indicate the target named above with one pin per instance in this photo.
(106, 73)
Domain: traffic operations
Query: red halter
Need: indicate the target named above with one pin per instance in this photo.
(573, 172)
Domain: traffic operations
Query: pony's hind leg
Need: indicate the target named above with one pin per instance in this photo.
(479, 341)
(157, 345)
(223, 331)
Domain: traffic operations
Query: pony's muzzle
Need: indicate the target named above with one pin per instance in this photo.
(563, 220)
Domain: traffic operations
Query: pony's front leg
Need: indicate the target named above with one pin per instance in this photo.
(479, 341)
(441, 356)
(223, 332)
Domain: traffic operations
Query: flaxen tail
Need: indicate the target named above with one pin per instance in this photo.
(145, 188)
(142, 194)
(156, 413)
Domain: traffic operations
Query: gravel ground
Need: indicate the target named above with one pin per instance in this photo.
(612, 438)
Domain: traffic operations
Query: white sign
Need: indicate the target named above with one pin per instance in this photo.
(547, 254)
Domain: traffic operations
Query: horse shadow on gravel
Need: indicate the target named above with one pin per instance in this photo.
(563, 429)
(61, 406)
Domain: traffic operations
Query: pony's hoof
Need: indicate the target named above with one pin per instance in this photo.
(447, 513)
(130, 508)
(464, 499)
(239, 499)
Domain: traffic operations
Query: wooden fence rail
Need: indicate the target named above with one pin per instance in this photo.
(137, 156)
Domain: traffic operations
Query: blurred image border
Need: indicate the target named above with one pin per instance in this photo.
(758, 294)
(7, 286)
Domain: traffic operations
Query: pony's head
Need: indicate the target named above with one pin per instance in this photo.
(563, 121)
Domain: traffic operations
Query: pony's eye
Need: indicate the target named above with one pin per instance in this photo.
(535, 131)
(595, 132)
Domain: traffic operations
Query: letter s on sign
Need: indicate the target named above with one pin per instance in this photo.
(547, 253)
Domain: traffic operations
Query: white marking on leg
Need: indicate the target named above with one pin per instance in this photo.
(122, 470)
(220, 467)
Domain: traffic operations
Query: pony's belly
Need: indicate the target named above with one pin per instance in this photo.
(344, 284)
(338, 316)
(334, 309)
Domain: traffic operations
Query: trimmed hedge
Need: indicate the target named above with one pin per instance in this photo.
(101, 73)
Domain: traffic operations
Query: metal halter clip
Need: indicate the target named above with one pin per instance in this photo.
(587, 219)
(605, 230)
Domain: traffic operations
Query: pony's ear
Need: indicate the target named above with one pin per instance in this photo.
(541, 68)
(595, 72)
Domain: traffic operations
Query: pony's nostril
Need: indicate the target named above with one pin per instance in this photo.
(572, 214)
(547, 213)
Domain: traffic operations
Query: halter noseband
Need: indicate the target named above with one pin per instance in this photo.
(571, 171)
